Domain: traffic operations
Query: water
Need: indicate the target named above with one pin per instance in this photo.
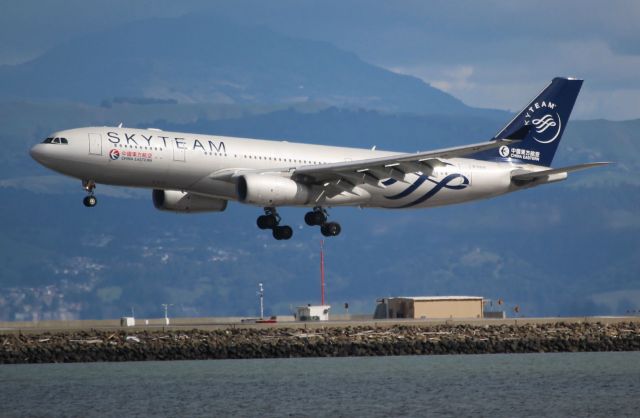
(570, 384)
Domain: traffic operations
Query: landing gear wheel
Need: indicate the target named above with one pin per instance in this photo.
(330, 229)
(315, 217)
(90, 201)
(282, 232)
(309, 218)
(267, 221)
(271, 220)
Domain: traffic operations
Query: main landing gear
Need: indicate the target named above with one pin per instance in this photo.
(318, 216)
(271, 220)
(90, 200)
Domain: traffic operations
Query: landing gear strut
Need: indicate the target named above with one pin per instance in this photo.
(90, 200)
(318, 216)
(271, 220)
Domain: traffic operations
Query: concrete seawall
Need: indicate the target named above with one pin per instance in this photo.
(319, 341)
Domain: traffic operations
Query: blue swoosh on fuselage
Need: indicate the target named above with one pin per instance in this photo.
(439, 185)
(409, 189)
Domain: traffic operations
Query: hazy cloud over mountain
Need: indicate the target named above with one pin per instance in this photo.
(489, 54)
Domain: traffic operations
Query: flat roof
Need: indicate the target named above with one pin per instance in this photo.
(437, 298)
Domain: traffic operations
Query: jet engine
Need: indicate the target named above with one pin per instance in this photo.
(270, 190)
(176, 201)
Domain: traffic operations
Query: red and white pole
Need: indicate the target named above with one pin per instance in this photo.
(322, 271)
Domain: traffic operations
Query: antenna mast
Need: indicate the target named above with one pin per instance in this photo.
(165, 306)
(261, 294)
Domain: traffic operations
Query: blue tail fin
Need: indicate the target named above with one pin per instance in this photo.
(542, 122)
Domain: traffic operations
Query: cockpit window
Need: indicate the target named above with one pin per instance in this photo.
(55, 140)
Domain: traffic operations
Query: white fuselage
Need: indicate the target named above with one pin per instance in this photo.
(187, 162)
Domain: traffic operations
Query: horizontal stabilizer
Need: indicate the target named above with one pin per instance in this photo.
(530, 176)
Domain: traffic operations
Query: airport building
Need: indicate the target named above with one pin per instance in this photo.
(430, 307)
(312, 313)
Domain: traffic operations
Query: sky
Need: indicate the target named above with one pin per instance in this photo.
(489, 54)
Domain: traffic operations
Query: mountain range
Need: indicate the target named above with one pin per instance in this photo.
(204, 59)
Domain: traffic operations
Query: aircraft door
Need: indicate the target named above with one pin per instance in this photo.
(178, 151)
(95, 144)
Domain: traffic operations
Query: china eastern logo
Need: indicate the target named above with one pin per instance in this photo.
(545, 120)
(114, 154)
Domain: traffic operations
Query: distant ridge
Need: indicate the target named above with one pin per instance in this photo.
(206, 59)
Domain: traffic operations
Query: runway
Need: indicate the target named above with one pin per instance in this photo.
(339, 321)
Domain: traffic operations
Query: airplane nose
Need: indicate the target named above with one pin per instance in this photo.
(37, 153)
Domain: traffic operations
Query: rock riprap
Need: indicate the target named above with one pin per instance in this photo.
(245, 343)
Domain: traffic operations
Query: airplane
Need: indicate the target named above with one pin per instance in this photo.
(201, 173)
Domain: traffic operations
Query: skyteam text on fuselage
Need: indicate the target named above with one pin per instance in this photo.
(198, 173)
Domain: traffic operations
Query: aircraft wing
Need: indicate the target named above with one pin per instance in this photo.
(372, 170)
(530, 176)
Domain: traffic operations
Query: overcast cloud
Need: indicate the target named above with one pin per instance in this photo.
(489, 54)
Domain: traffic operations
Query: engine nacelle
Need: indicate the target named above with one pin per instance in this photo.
(176, 201)
(270, 190)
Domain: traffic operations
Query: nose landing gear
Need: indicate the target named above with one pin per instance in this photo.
(318, 216)
(90, 200)
(271, 220)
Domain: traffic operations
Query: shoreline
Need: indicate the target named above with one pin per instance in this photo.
(292, 340)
